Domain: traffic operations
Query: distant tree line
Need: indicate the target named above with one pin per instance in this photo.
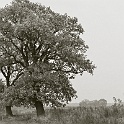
(94, 103)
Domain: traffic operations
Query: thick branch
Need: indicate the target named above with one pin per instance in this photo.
(15, 46)
(25, 55)
(17, 76)
(4, 74)
(21, 63)
(38, 48)
(8, 71)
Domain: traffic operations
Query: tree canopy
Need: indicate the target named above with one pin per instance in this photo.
(47, 46)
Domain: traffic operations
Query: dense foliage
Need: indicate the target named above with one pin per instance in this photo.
(47, 47)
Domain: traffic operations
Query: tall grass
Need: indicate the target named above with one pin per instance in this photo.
(73, 115)
(83, 115)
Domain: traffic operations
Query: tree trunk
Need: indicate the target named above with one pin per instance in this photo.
(39, 108)
(9, 111)
(8, 107)
(7, 77)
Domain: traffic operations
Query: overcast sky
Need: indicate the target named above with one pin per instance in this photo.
(103, 22)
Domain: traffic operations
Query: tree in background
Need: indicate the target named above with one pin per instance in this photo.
(94, 103)
(102, 102)
(48, 46)
(10, 71)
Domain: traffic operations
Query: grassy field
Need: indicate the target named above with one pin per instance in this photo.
(72, 115)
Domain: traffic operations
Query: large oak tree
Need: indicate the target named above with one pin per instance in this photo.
(49, 47)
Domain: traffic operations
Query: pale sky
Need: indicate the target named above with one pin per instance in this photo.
(103, 22)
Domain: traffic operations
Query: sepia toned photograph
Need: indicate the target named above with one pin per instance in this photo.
(61, 62)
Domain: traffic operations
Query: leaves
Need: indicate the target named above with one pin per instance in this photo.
(46, 50)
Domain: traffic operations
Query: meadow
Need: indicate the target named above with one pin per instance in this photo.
(69, 115)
